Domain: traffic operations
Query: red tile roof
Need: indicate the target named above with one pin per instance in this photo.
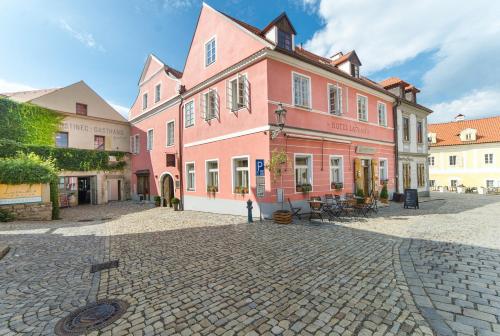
(392, 81)
(448, 134)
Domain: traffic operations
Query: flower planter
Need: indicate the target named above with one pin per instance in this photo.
(282, 217)
(384, 201)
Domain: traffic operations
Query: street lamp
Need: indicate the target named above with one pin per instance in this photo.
(280, 114)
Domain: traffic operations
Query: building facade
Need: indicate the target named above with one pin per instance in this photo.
(412, 145)
(200, 134)
(89, 123)
(465, 154)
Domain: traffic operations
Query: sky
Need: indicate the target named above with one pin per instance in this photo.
(449, 49)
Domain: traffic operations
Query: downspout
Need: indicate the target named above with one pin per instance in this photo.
(396, 147)
(181, 146)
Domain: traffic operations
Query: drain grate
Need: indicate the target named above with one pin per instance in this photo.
(85, 220)
(103, 266)
(91, 317)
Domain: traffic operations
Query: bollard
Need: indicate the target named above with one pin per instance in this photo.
(249, 207)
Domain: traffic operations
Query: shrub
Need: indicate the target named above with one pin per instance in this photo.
(27, 168)
(175, 200)
(6, 216)
(384, 193)
(360, 193)
(157, 200)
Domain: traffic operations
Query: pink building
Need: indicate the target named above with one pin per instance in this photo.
(197, 135)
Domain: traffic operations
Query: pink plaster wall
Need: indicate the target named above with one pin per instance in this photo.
(233, 44)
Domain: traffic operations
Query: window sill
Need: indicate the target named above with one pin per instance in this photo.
(188, 126)
(302, 107)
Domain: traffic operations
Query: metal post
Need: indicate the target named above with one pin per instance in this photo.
(249, 207)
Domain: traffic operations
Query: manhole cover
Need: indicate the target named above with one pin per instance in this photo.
(91, 317)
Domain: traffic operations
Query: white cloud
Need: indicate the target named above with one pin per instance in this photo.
(85, 38)
(123, 110)
(6, 86)
(474, 105)
(178, 4)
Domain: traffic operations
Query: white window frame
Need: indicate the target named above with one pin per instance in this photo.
(194, 113)
(382, 122)
(380, 169)
(187, 176)
(489, 158)
(205, 59)
(309, 104)
(134, 144)
(233, 171)
(166, 133)
(449, 160)
(230, 93)
(431, 161)
(341, 167)
(218, 173)
(205, 108)
(149, 146)
(366, 107)
(486, 182)
(310, 166)
(157, 92)
(338, 95)
(145, 100)
(403, 129)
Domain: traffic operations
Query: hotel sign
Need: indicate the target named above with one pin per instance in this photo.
(20, 193)
(340, 126)
(365, 150)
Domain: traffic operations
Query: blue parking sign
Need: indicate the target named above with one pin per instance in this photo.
(259, 167)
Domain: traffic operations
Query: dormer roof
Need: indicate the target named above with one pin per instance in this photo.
(351, 56)
(168, 69)
(393, 82)
(411, 88)
(283, 23)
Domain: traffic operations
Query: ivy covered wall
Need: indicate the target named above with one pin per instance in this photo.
(28, 123)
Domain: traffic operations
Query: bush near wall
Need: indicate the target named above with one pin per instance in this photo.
(28, 123)
(31, 169)
(71, 159)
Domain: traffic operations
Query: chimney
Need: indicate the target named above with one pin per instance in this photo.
(459, 117)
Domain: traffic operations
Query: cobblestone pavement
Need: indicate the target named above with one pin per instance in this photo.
(403, 272)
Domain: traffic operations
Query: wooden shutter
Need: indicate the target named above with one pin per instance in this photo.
(216, 102)
(375, 177)
(358, 174)
(203, 105)
(339, 100)
(229, 95)
(246, 91)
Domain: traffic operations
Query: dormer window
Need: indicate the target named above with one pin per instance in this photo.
(468, 134)
(284, 40)
(354, 70)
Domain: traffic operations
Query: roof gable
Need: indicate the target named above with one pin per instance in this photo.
(283, 23)
(350, 56)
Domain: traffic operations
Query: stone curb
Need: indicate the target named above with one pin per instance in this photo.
(3, 251)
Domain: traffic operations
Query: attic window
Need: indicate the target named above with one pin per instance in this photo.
(81, 109)
(284, 40)
(354, 70)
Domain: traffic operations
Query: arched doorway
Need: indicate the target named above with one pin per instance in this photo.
(167, 189)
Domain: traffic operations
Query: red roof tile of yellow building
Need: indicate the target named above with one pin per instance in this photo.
(448, 134)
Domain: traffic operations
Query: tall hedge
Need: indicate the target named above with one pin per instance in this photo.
(72, 159)
(28, 123)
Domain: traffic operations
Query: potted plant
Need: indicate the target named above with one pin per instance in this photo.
(157, 200)
(306, 188)
(361, 196)
(337, 185)
(212, 189)
(298, 188)
(175, 201)
(282, 217)
(384, 195)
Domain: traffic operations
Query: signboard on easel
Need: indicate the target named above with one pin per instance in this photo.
(411, 199)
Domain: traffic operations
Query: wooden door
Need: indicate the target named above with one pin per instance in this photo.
(375, 177)
(358, 174)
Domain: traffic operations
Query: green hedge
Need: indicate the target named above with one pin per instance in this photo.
(66, 158)
(27, 168)
(28, 123)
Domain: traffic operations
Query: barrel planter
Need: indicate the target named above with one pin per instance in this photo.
(282, 217)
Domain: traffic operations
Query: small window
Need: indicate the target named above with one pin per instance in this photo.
(301, 91)
(334, 99)
(336, 170)
(468, 136)
(189, 114)
(453, 183)
(210, 105)
(432, 183)
(383, 175)
(213, 176)
(420, 130)
(406, 129)
(382, 114)
(284, 40)
(134, 144)
(488, 158)
(81, 109)
(362, 108)
(421, 174)
(99, 142)
(190, 176)
(170, 133)
(210, 52)
(144, 101)
(62, 139)
(453, 160)
(431, 160)
(149, 140)
(157, 93)
(490, 183)
(354, 70)
(238, 93)
(303, 172)
(241, 174)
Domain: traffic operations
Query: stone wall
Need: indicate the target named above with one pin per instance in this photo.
(30, 211)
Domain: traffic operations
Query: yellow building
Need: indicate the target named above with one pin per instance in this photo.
(465, 154)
